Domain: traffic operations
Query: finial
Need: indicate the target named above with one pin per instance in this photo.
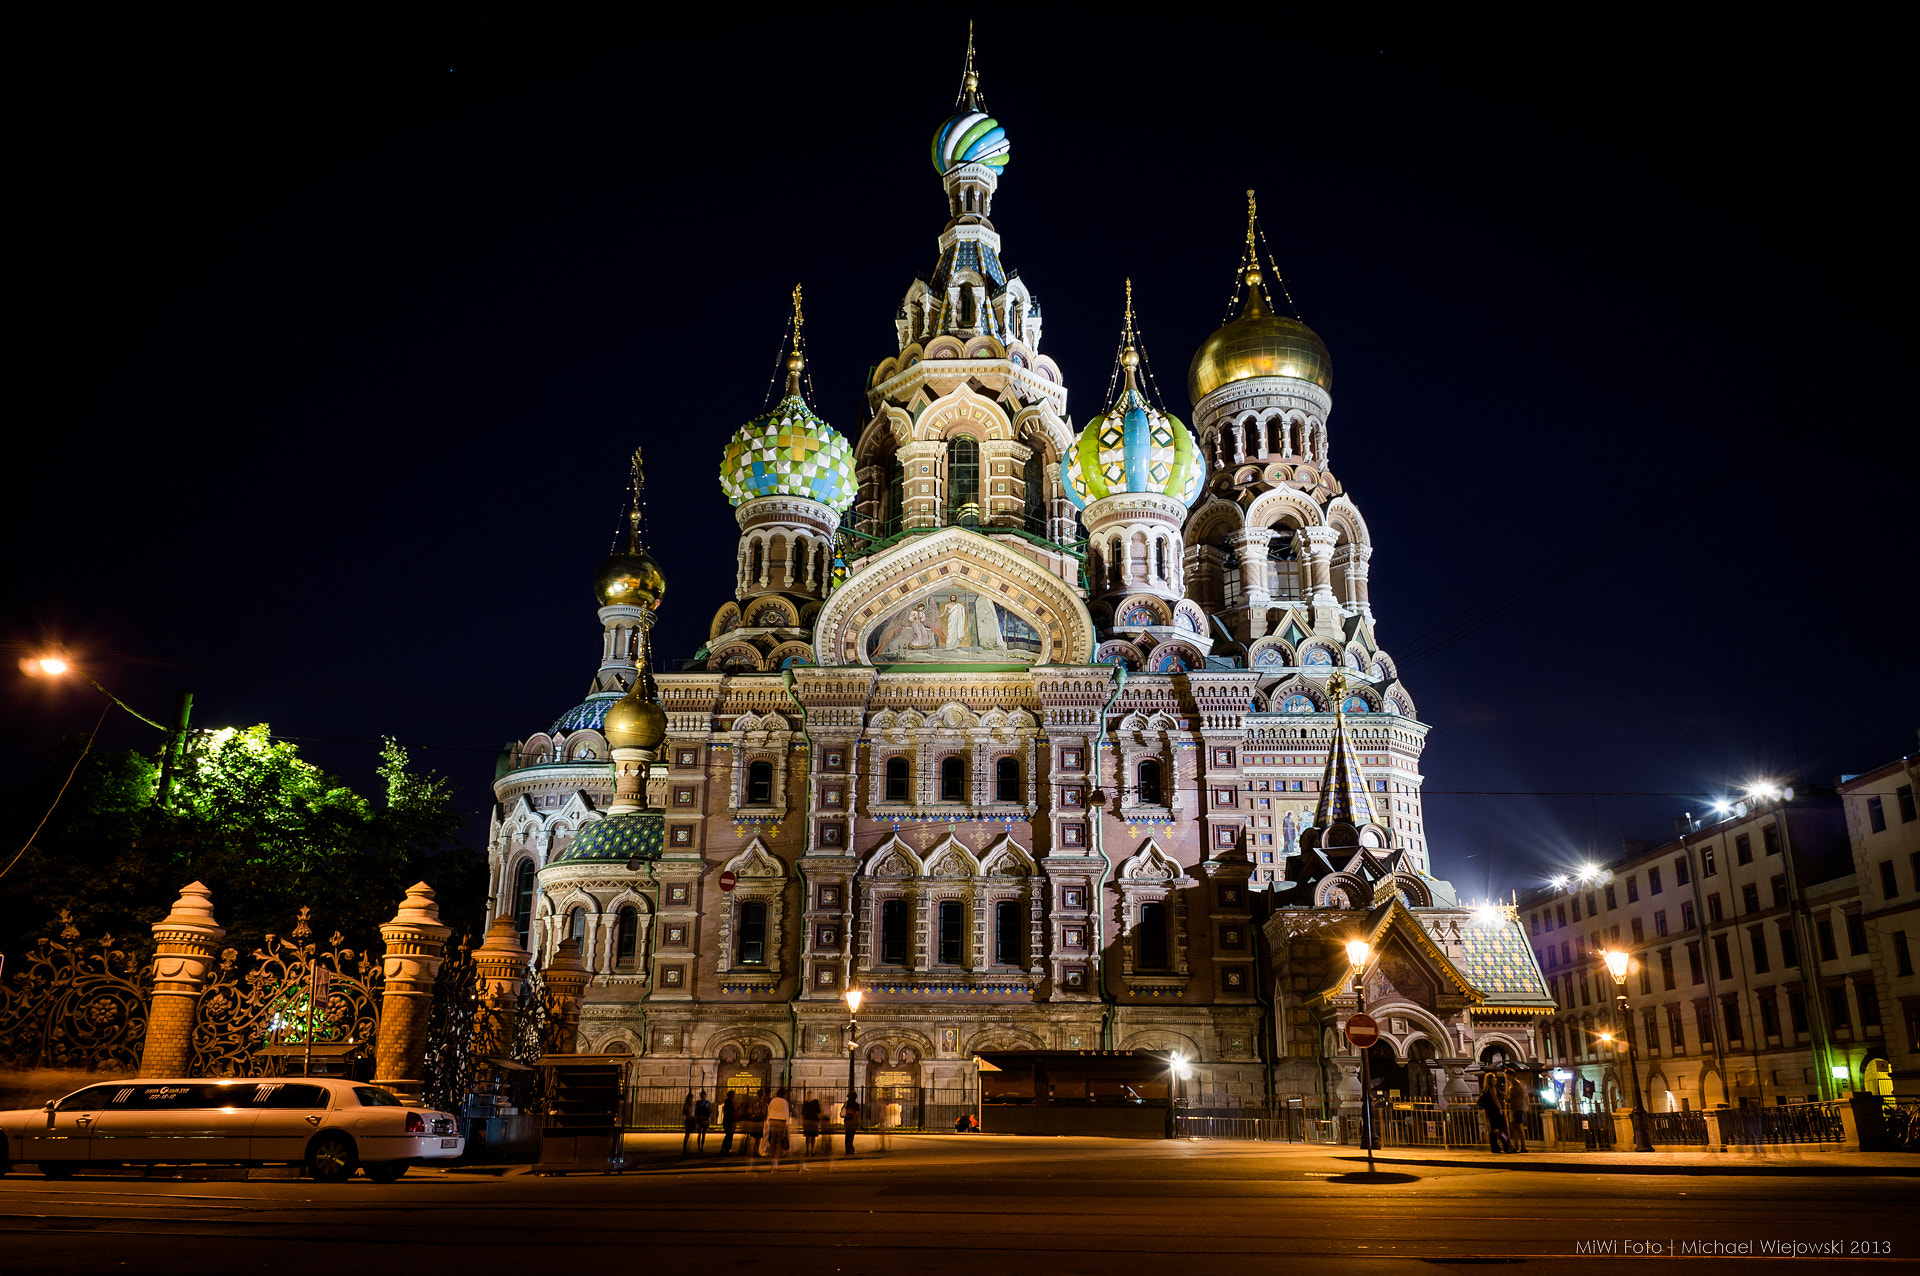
(970, 80)
(1337, 690)
(639, 495)
(1253, 252)
(1129, 357)
(795, 360)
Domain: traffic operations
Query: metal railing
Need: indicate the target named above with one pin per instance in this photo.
(1786, 1123)
(922, 1109)
(1396, 1124)
(1686, 1129)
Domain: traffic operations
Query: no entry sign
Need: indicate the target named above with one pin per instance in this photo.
(727, 879)
(1362, 1031)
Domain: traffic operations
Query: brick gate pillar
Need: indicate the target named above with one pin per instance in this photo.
(567, 978)
(500, 965)
(185, 944)
(416, 945)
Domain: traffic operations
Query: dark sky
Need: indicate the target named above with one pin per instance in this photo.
(332, 336)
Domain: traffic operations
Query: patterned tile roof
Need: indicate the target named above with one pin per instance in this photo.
(637, 834)
(590, 715)
(1500, 962)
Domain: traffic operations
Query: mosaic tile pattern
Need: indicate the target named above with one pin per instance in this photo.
(789, 452)
(618, 837)
(971, 137)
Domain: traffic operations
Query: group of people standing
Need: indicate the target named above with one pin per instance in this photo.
(1507, 1099)
(763, 1123)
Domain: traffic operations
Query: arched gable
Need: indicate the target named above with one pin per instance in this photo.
(756, 861)
(1274, 504)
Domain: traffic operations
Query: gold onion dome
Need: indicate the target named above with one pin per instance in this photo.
(630, 577)
(636, 721)
(1258, 343)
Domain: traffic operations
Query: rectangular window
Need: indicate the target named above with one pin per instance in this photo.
(1576, 907)
(1154, 947)
(1533, 923)
(1713, 907)
(1686, 914)
(1757, 937)
(1770, 836)
(1769, 1014)
(752, 948)
(1789, 949)
(1750, 897)
(1869, 999)
(1633, 890)
(1562, 910)
(1566, 954)
(1612, 903)
(1677, 1029)
(1646, 977)
(1593, 909)
(1722, 957)
(1666, 969)
(1856, 935)
(1889, 887)
(1743, 849)
(1680, 875)
(1703, 1024)
(893, 932)
(1660, 922)
(1823, 931)
(1839, 1014)
(1698, 971)
(1904, 796)
(952, 923)
(1779, 885)
(1797, 1012)
(1902, 957)
(1708, 865)
(1876, 816)
(1652, 1020)
(1653, 881)
(1009, 933)
(1586, 991)
(1639, 932)
(1731, 1009)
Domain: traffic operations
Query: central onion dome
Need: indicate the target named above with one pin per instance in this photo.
(1258, 343)
(790, 452)
(971, 137)
(1133, 446)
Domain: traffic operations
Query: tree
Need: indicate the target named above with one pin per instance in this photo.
(265, 829)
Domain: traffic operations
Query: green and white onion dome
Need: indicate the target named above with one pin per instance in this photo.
(1133, 447)
(971, 137)
(789, 452)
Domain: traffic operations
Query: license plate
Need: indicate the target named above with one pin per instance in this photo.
(449, 1143)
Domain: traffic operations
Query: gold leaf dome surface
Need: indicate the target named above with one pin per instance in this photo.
(1259, 343)
(629, 578)
(635, 722)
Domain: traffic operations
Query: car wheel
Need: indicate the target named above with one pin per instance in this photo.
(331, 1158)
(57, 1169)
(386, 1171)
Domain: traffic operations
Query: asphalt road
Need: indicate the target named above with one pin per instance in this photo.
(975, 1205)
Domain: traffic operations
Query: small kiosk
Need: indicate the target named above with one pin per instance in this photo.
(1113, 1093)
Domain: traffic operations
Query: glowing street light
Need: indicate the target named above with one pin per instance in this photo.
(1618, 960)
(52, 666)
(854, 997)
(1357, 952)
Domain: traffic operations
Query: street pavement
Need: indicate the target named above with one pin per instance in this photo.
(984, 1204)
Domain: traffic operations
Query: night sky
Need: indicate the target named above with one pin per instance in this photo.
(332, 338)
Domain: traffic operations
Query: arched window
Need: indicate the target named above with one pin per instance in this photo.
(953, 780)
(1276, 436)
(895, 515)
(897, 779)
(1160, 558)
(577, 925)
(1149, 783)
(523, 900)
(1006, 780)
(759, 784)
(963, 482)
(1035, 475)
(1250, 436)
(1009, 933)
(626, 941)
(756, 562)
(1154, 947)
(1286, 563)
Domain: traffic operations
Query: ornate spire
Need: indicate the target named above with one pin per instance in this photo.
(1256, 289)
(970, 78)
(635, 511)
(1343, 790)
(795, 360)
(1129, 357)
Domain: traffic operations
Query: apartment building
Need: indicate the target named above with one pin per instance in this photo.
(1884, 829)
(1751, 979)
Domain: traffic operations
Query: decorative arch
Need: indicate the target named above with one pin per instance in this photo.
(1150, 864)
(1007, 858)
(1214, 521)
(1142, 610)
(1175, 657)
(1270, 653)
(950, 858)
(893, 858)
(962, 411)
(1281, 503)
(1344, 517)
(725, 621)
(736, 657)
(1342, 891)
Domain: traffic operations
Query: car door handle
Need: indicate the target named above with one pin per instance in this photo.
(83, 1121)
(313, 1120)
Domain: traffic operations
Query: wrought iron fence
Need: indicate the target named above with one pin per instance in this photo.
(1684, 1128)
(1758, 1126)
(480, 1052)
(247, 1013)
(1396, 1124)
(1592, 1130)
(74, 1006)
(922, 1109)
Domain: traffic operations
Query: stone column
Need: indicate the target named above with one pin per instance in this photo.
(185, 944)
(1250, 547)
(567, 978)
(500, 965)
(416, 945)
(1318, 544)
(1357, 570)
(925, 494)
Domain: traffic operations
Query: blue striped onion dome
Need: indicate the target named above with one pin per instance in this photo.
(789, 452)
(1133, 447)
(588, 716)
(971, 137)
(639, 834)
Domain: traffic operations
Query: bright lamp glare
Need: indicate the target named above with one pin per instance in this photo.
(1356, 952)
(1617, 963)
(53, 666)
(1588, 872)
(1559, 882)
(1486, 915)
(853, 999)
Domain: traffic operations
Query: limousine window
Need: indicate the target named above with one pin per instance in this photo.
(92, 1097)
(371, 1097)
(280, 1095)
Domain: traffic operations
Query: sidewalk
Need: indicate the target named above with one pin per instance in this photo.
(1777, 1160)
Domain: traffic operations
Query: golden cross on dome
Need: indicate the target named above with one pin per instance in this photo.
(1337, 688)
(795, 360)
(1129, 312)
(970, 79)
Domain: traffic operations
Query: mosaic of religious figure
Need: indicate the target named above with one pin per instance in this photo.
(953, 626)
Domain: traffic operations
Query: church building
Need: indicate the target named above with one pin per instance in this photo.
(1043, 738)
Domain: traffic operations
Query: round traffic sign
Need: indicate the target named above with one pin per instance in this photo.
(1362, 1031)
(727, 879)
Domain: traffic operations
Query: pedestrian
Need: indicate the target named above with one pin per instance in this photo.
(810, 1121)
(686, 1123)
(729, 1117)
(756, 1131)
(778, 1114)
(702, 1118)
(1496, 1111)
(1518, 1101)
(889, 1122)
(850, 1120)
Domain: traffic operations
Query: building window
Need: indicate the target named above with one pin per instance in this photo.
(1839, 1014)
(1904, 796)
(1646, 977)
(1154, 947)
(1660, 921)
(1779, 885)
(896, 513)
(1562, 910)
(1676, 1029)
(1708, 866)
(953, 780)
(1149, 783)
(1789, 949)
(1713, 908)
(1666, 969)
(1722, 957)
(1743, 849)
(952, 925)
(577, 925)
(1009, 933)
(1797, 1012)
(1757, 936)
(1653, 883)
(1680, 875)
(1006, 780)
(1888, 886)
(1686, 914)
(523, 900)
(1823, 932)
(626, 940)
(1639, 931)
(1902, 957)
(963, 482)
(1750, 897)
(893, 932)
(896, 779)
(1693, 962)
(1856, 935)
(1869, 999)
(1611, 902)
(760, 783)
(1036, 491)
(1769, 1015)
(1731, 1009)
(1652, 1020)
(1633, 890)
(751, 947)
(1770, 838)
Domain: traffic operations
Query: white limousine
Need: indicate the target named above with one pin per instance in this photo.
(331, 1127)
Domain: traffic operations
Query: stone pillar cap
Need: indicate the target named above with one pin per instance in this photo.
(419, 909)
(503, 940)
(566, 958)
(193, 910)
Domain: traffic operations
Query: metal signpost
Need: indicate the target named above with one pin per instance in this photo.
(1362, 1032)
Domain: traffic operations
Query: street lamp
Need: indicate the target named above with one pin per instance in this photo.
(1617, 960)
(1357, 954)
(854, 996)
(56, 665)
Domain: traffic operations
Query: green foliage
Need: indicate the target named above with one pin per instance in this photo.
(265, 829)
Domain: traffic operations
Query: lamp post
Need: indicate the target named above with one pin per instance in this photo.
(57, 665)
(1616, 960)
(1357, 954)
(853, 1034)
